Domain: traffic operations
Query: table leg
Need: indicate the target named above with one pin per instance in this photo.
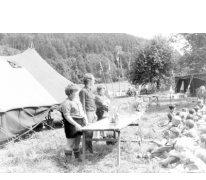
(83, 147)
(114, 134)
(118, 149)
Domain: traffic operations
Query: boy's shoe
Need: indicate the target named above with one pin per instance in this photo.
(111, 142)
(77, 155)
(68, 159)
(68, 155)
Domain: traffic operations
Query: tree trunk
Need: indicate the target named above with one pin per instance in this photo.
(158, 85)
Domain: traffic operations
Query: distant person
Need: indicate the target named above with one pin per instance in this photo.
(171, 113)
(102, 104)
(74, 119)
(50, 120)
(89, 107)
(201, 105)
(201, 94)
(129, 92)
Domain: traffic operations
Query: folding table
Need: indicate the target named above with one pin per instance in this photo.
(154, 99)
(105, 125)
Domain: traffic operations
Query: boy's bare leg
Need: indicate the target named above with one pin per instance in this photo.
(169, 160)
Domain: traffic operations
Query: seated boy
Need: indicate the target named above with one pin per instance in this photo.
(171, 113)
(200, 152)
(166, 144)
(172, 109)
(183, 116)
(198, 113)
(192, 111)
(176, 122)
(139, 103)
(189, 116)
(185, 110)
(178, 153)
(184, 151)
(190, 131)
(201, 105)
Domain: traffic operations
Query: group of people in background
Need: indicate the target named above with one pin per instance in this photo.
(82, 108)
(183, 144)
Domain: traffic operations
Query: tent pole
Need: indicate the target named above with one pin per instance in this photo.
(192, 86)
(191, 78)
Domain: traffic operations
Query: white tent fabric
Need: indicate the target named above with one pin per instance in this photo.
(27, 92)
(18, 89)
(50, 79)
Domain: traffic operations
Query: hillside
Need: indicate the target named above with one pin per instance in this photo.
(74, 54)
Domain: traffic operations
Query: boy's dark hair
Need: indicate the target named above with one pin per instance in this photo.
(196, 108)
(172, 106)
(87, 78)
(178, 113)
(192, 111)
(71, 88)
(190, 123)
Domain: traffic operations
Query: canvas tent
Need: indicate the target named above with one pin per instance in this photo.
(28, 89)
(191, 82)
(50, 79)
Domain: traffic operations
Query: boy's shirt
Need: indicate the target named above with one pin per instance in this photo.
(170, 115)
(169, 145)
(192, 133)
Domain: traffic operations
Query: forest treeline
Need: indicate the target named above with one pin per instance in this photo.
(74, 54)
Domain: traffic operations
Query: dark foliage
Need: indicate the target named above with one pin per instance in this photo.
(74, 54)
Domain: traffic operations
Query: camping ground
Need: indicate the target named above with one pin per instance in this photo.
(42, 152)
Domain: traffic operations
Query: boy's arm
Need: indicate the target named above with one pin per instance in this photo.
(66, 111)
(82, 112)
(98, 101)
(82, 96)
(160, 143)
(164, 129)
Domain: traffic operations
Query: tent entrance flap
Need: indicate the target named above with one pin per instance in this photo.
(191, 83)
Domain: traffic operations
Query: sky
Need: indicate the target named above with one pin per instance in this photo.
(148, 35)
(142, 18)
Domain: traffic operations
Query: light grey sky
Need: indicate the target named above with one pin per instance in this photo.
(148, 35)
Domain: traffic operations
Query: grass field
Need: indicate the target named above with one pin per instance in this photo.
(43, 151)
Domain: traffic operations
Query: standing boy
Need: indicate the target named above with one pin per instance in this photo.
(89, 107)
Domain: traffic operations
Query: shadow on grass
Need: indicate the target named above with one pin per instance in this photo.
(100, 153)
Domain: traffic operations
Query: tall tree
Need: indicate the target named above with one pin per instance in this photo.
(153, 63)
(195, 52)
